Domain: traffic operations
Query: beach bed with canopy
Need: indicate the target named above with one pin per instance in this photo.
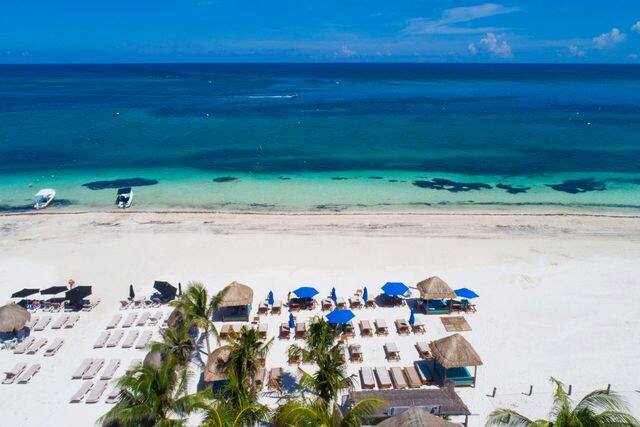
(236, 302)
(304, 298)
(453, 356)
(393, 293)
(437, 295)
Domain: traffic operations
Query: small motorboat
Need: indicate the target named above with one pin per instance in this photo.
(44, 198)
(124, 197)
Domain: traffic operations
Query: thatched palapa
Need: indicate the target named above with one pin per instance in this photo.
(13, 317)
(454, 351)
(237, 295)
(417, 417)
(176, 318)
(436, 289)
(154, 359)
(216, 365)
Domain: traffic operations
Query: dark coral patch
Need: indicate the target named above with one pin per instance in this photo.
(339, 178)
(375, 177)
(119, 183)
(575, 186)
(513, 190)
(452, 186)
(225, 179)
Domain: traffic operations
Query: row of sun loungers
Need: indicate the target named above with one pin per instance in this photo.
(112, 339)
(397, 377)
(21, 373)
(140, 302)
(42, 323)
(96, 392)
(132, 317)
(89, 368)
(276, 308)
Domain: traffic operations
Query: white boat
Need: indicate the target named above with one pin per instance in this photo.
(44, 198)
(124, 197)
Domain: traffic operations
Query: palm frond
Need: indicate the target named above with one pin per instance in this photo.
(507, 418)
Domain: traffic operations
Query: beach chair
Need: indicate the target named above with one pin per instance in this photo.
(258, 378)
(370, 303)
(285, 331)
(412, 377)
(60, 321)
(263, 308)
(341, 303)
(423, 350)
(110, 370)
(82, 392)
(115, 338)
(225, 331)
(10, 376)
(144, 339)
(381, 327)
(262, 330)
(391, 350)
(349, 330)
(397, 377)
(402, 327)
(24, 345)
(28, 374)
(275, 379)
(81, 369)
(301, 330)
(367, 378)
(113, 395)
(365, 328)
(114, 321)
(36, 346)
(54, 347)
(156, 317)
(326, 304)
(384, 381)
(90, 305)
(355, 353)
(43, 322)
(70, 323)
(355, 302)
(102, 339)
(143, 319)
(128, 322)
(133, 365)
(276, 308)
(424, 372)
(93, 370)
(32, 321)
(418, 327)
(97, 392)
(124, 304)
(132, 336)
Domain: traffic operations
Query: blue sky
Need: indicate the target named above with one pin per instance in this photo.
(319, 31)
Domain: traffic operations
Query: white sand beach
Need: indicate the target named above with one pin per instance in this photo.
(558, 293)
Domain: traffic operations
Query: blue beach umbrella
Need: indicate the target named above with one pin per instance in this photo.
(270, 300)
(365, 294)
(334, 297)
(466, 293)
(292, 321)
(412, 318)
(338, 316)
(395, 289)
(306, 292)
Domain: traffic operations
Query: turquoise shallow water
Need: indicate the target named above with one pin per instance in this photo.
(322, 137)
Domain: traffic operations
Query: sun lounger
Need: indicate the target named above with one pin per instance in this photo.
(133, 365)
(391, 349)
(301, 330)
(82, 392)
(102, 339)
(24, 345)
(97, 392)
(115, 338)
(402, 327)
(341, 303)
(263, 308)
(262, 330)
(384, 381)
(31, 322)
(144, 339)
(423, 349)
(90, 305)
(93, 370)
(365, 328)
(424, 372)
(132, 336)
(412, 377)
(10, 376)
(258, 378)
(381, 327)
(275, 379)
(355, 353)
(54, 347)
(397, 376)
(60, 321)
(225, 331)
(42, 323)
(110, 370)
(124, 304)
(143, 319)
(70, 323)
(276, 308)
(28, 374)
(114, 321)
(36, 346)
(326, 304)
(86, 363)
(113, 395)
(418, 327)
(285, 331)
(155, 317)
(128, 322)
(367, 379)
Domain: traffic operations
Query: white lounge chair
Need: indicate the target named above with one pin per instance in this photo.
(82, 391)
(72, 321)
(24, 345)
(397, 376)
(128, 322)
(60, 321)
(114, 321)
(391, 349)
(133, 365)
(381, 327)
(14, 373)
(36, 346)
(90, 305)
(110, 370)
(115, 338)
(102, 339)
(43, 322)
(97, 392)
(81, 369)
(412, 376)
(367, 378)
(31, 322)
(54, 347)
(384, 381)
(143, 319)
(26, 376)
(131, 338)
(144, 339)
(113, 395)
(155, 317)
(93, 370)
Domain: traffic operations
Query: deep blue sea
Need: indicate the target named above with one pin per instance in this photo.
(321, 136)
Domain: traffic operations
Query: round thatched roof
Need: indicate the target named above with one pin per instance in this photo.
(215, 369)
(153, 358)
(13, 317)
(435, 288)
(237, 294)
(175, 318)
(416, 417)
(454, 351)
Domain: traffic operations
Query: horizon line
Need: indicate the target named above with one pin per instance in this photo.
(314, 63)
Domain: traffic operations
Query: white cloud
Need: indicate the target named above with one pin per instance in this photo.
(576, 51)
(492, 45)
(458, 15)
(346, 52)
(473, 50)
(609, 40)
(636, 27)
(634, 56)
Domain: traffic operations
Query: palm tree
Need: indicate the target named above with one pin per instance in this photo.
(150, 396)
(598, 408)
(176, 347)
(198, 308)
(248, 353)
(305, 413)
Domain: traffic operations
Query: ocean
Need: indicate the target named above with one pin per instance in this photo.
(318, 137)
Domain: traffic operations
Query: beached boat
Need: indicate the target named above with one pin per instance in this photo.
(44, 198)
(124, 197)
